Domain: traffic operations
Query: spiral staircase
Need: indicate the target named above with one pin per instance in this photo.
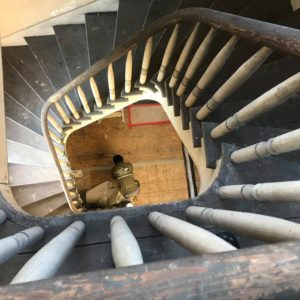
(227, 75)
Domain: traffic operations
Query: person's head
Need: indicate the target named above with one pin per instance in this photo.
(118, 159)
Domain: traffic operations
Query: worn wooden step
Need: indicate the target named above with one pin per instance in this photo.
(28, 194)
(45, 206)
(21, 134)
(60, 211)
(17, 88)
(26, 155)
(72, 41)
(126, 25)
(47, 52)
(21, 115)
(100, 29)
(23, 175)
(22, 59)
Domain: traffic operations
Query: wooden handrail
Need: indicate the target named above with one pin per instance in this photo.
(268, 272)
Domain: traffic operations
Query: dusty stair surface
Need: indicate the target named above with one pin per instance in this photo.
(32, 73)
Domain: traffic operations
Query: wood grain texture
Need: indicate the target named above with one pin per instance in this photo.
(263, 272)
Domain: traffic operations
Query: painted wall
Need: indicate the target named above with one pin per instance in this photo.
(19, 14)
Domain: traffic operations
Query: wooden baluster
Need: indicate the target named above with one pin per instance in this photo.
(125, 249)
(128, 72)
(213, 69)
(62, 113)
(54, 123)
(191, 237)
(146, 60)
(287, 191)
(269, 100)
(196, 61)
(95, 91)
(111, 82)
(168, 54)
(260, 227)
(12, 245)
(284, 143)
(46, 262)
(83, 99)
(184, 56)
(71, 107)
(236, 80)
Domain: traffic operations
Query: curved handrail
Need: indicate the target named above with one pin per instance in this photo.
(277, 37)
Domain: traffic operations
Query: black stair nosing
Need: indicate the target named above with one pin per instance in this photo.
(17, 88)
(243, 137)
(22, 59)
(195, 127)
(176, 102)
(185, 113)
(21, 115)
(47, 52)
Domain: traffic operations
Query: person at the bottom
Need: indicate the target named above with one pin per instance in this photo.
(114, 194)
(122, 172)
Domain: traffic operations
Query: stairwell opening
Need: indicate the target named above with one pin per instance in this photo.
(150, 143)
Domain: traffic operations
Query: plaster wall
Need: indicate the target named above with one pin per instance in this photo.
(21, 18)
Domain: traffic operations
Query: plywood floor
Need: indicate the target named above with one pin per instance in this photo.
(154, 150)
